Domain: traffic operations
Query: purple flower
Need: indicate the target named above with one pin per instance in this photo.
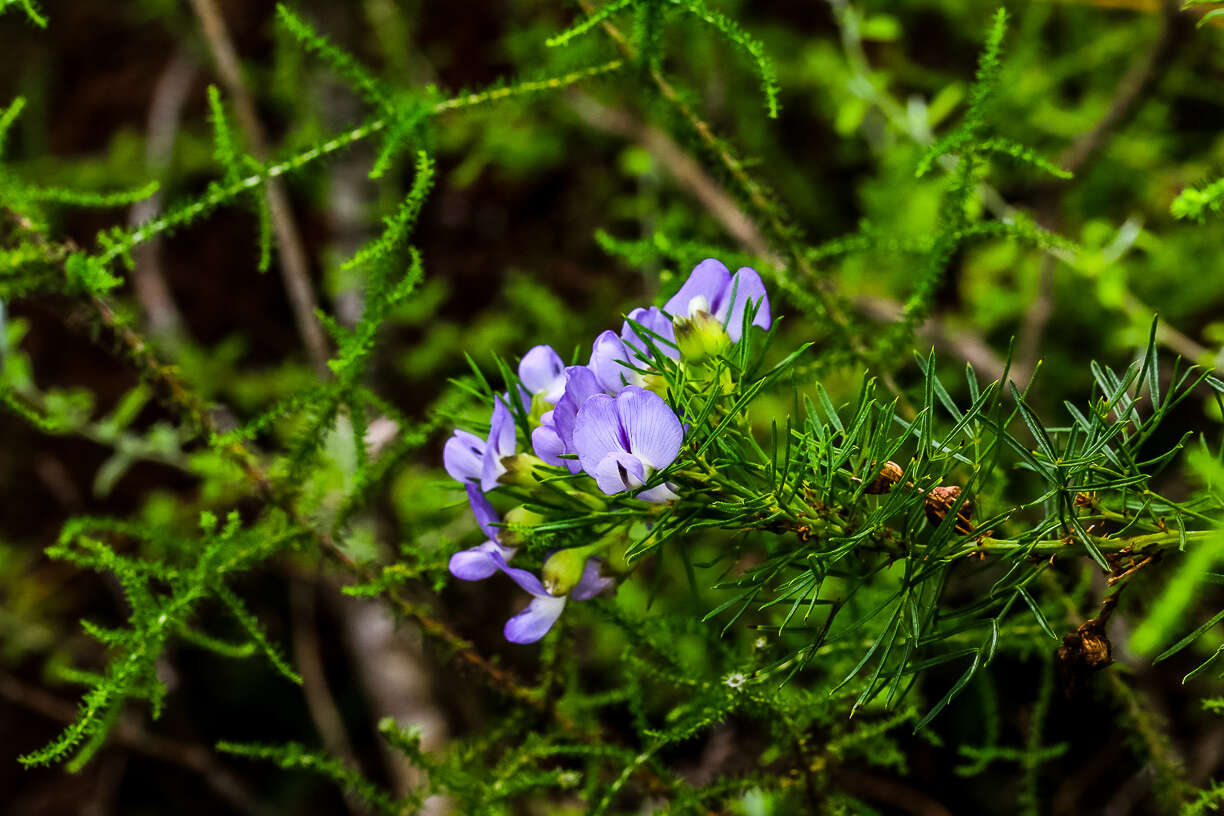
(543, 373)
(710, 288)
(618, 361)
(499, 445)
(621, 441)
(612, 363)
(478, 563)
(463, 456)
(555, 434)
(534, 622)
(655, 321)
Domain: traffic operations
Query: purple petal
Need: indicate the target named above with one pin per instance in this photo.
(747, 286)
(608, 356)
(485, 515)
(591, 583)
(580, 383)
(534, 622)
(597, 431)
(499, 445)
(548, 445)
(462, 456)
(659, 494)
(525, 579)
(478, 563)
(709, 279)
(657, 322)
(542, 372)
(651, 427)
(618, 472)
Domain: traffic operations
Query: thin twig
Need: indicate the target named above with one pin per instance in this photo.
(687, 172)
(307, 658)
(165, 117)
(1143, 75)
(295, 269)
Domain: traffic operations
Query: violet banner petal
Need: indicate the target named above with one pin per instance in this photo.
(652, 429)
(580, 384)
(657, 322)
(543, 372)
(462, 456)
(708, 279)
(534, 622)
(608, 356)
(618, 472)
(747, 286)
(597, 431)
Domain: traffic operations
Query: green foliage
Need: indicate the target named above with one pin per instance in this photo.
(294, 757)
(28, 8)
(783, 603)
(164, 597)
(648, 36)
(1197, 202)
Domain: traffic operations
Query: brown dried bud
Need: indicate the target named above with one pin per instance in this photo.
(941, 500)
(890, 474)
(1087, 647)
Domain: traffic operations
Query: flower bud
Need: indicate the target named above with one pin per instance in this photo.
(520, 470)
(889, 475)
(700, 335)
(563, 569)
(517, 522)
(942, 499)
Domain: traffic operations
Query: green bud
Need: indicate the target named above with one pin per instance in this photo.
(517, 523)
(564, 568)
(700, 335)
(520, 470)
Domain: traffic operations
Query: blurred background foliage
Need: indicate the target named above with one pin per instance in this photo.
(553, 214)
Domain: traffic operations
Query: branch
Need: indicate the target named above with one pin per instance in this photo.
(294, 267)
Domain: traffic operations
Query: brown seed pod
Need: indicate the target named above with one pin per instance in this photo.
(942, 499)
(890, 474)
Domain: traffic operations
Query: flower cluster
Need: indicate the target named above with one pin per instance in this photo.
(607, 419)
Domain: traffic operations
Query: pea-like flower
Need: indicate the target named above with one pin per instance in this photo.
(542, 372)
(463, 456)
(534, 622)
(655, 323)
(620, 360)
(499, 445)
(555, 434)
(622, 441)
(712, 290)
